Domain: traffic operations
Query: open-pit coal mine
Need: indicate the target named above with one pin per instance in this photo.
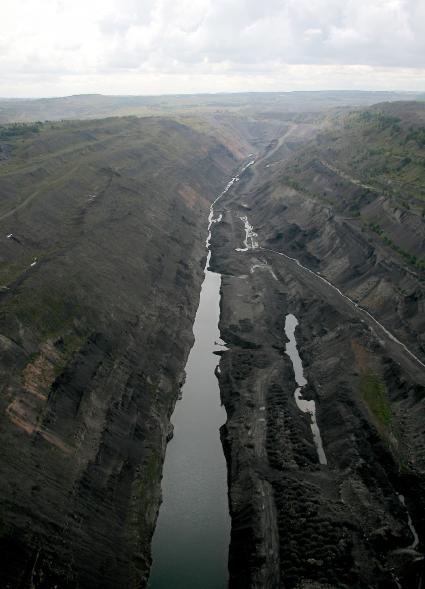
(212, 335)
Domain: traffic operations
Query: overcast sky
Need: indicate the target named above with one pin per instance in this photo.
(61, 47)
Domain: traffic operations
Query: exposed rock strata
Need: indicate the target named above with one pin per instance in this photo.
(297, 523)
(95, 337)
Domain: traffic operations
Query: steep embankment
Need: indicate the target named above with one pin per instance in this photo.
(103, 244)
(362, 185)
(299, 520)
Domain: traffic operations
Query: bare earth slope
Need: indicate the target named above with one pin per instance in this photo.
(297, 522)
(103, 226)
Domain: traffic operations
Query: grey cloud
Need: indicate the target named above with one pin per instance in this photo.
(379, 33)
(203, 37)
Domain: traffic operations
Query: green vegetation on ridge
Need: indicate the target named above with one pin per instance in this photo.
(369, 165)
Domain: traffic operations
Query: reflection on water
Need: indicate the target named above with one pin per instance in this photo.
(191, 540)
(190, 544)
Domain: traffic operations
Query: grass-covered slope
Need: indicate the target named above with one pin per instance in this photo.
(370, 165)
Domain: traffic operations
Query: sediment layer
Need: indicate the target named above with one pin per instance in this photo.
(295, 522)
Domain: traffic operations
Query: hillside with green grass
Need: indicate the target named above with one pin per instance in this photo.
(369, 165)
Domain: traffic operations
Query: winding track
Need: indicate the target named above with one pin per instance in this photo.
(400, 350)
(356, 305)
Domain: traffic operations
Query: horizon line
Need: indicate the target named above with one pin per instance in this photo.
(230, 92)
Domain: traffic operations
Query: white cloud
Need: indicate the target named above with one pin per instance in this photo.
(68, 46)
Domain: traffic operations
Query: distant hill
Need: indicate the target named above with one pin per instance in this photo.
(97, 105)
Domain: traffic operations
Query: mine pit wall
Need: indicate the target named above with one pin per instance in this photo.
(341, 525)
(88, 469)
(81, 461)
(83, 434)
(350, 256)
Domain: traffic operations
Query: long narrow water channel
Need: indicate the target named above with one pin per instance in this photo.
(191, 540)
(190, 544)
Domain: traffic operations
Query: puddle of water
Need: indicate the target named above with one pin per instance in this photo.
(263, 267)
(359, 307)
(303, 405)
(415, 542)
